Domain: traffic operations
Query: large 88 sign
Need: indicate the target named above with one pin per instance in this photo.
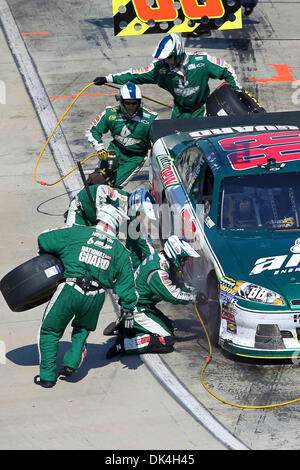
(136, 17)
(245, 152)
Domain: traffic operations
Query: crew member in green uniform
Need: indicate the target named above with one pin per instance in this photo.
(153, 331)
(139, 205)
(183, 74)
(130, 125)
(94, 260)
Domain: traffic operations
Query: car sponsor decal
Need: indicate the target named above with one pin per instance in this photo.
(168, 171)
(250, 151)
(228, 290)
(280, 264)
(231, 327)
(136, 17)
(240, 129)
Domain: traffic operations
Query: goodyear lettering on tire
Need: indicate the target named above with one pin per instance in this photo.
(136, 17)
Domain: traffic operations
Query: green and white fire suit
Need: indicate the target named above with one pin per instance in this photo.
(132, 138)
(93, 261)
(81, 212)
(188, 83)
(151, 327)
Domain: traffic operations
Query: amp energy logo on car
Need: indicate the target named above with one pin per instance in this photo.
(136, 17)
(280, 264)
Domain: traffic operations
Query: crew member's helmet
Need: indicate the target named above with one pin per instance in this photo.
(142, 201)
(177, 250)
(130, 91)
(170, 45)
(112, 216)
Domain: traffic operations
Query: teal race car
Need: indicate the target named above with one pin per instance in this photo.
(231, 186)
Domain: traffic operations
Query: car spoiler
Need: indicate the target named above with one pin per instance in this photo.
(165, 127)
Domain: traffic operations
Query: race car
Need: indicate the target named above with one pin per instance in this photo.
(230, 185)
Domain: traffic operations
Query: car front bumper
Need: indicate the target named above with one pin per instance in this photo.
(258, 334)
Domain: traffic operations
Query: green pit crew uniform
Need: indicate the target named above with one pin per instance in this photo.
(80, 212)
(187, 83)
(86, 252)
(132, 138)
(153, 331)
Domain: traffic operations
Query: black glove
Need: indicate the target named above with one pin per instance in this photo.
(99, 80)
(128, 319)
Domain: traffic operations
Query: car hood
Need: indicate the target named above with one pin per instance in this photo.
(269, 259)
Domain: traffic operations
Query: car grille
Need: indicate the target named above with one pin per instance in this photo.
(295, 302)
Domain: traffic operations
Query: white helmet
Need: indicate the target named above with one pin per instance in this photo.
(111, 215)
(170, 45)
(178, 248)
(130, 91)
(142, 201)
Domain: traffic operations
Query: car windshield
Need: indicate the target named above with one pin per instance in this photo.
(260, 202)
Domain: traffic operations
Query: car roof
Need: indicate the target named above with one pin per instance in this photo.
(216, 137)
(165, 127)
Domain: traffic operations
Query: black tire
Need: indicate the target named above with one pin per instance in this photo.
(32, 283)
(214, 311)
(226, 101)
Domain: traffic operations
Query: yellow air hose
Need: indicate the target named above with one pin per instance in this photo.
(208, 360)
(43, 183)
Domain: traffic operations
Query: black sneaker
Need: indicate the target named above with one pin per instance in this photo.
(115, 349)
(67, 371)
(43, 383)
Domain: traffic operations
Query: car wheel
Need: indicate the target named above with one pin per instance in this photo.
(226, 101)
(32, 283)
(214, 312)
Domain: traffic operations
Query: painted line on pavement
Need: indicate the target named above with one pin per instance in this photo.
(87, 94)
(35, 32)
(64, 161)
(194, 407)
(45, 112)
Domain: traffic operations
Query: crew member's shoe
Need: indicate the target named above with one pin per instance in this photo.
(67, 371)
(116, 349)
(43, 383)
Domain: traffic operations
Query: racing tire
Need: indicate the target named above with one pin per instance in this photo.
(32, 283)
(225, 101)
(214, 312)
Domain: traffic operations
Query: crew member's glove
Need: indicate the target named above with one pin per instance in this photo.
(240, 90)
(99, 80)
(102, 154)
(128, 319)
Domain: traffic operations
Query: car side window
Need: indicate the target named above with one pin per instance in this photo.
(187, 163)
(203, 187)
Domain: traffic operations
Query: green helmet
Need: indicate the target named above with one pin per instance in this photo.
(171, 45)
(176, 249)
